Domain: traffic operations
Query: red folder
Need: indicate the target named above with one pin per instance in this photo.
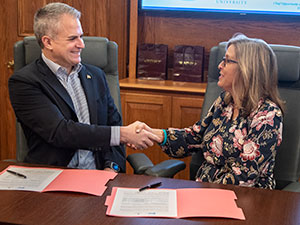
(75, 180)
(196, 202)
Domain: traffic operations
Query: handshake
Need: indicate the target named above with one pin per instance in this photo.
(140, 136)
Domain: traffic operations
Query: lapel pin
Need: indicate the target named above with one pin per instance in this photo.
(88, 76)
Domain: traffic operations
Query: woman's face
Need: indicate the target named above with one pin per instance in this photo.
(229, 70)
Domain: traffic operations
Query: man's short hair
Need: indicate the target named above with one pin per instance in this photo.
(47, 19)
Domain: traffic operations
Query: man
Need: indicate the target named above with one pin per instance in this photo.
(69, 120)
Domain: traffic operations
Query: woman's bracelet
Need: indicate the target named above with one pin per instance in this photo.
(165, 138)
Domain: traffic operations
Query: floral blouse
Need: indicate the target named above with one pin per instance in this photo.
(237, 151)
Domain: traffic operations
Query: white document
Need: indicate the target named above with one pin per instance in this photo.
(36, 179)
(150, 202)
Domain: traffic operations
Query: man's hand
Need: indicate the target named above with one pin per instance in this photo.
(109, 170)
(158, 132)
(139, 140)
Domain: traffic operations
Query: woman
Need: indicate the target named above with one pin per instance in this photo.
(243, 128)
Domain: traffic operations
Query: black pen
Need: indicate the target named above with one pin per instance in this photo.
(16, 173)
(150, 186)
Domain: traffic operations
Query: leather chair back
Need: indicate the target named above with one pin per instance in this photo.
(287, 165)
(98, 51)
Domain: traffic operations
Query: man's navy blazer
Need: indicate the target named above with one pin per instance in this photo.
(47, 115)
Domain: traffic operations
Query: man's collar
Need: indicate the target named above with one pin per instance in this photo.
(54, 67)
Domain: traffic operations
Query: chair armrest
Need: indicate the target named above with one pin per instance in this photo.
(139, 162)
(294, 187)
(166, 168)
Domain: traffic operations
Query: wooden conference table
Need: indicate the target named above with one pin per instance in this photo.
(24, 207)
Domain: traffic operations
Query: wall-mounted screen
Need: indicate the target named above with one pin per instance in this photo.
(284, 7)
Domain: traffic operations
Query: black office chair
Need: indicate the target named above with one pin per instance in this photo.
(141, 164)
(98, 51)
(287, 166)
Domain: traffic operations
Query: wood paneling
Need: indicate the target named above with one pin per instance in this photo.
(89, 18)
(152, 109)
(26, 10)
(133, 36)
(185, 112)
(102, 23)
(208, 29)
(118, 31)
(7, 118)
(145, 107)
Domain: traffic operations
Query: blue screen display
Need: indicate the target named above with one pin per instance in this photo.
(283, 7)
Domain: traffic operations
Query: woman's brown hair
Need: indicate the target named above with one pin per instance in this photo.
(258, 74)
